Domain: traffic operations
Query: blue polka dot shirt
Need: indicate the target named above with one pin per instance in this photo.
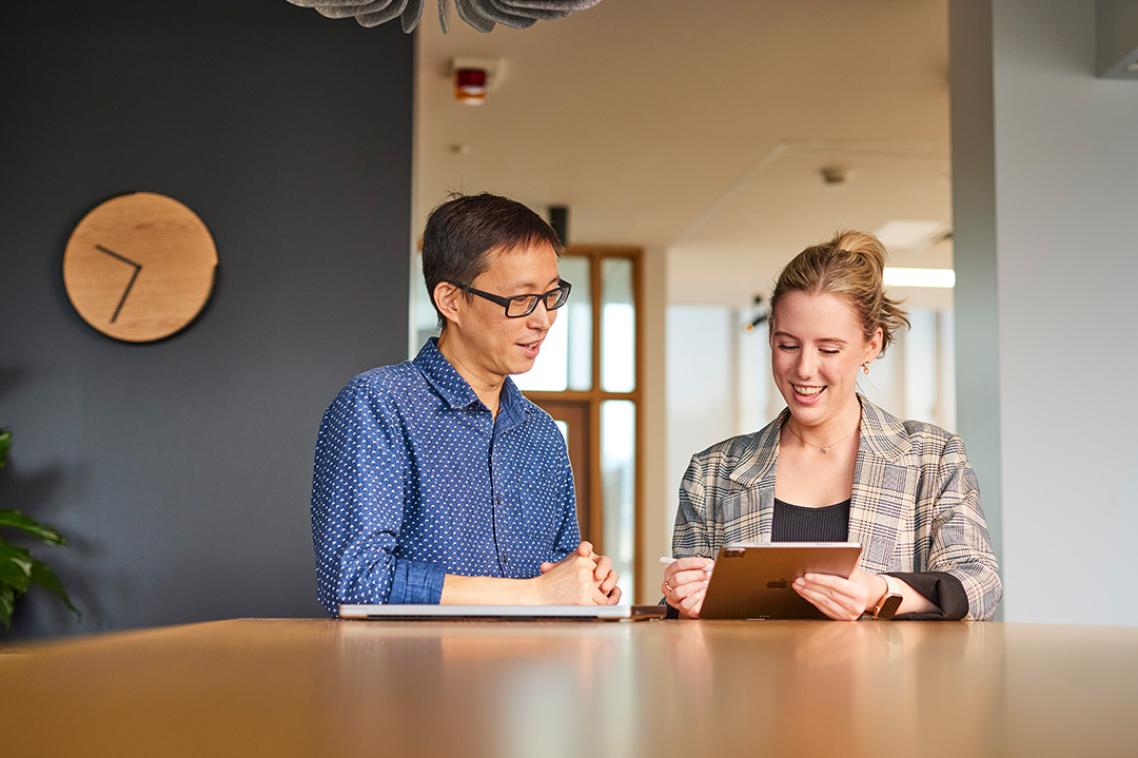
(414, 479)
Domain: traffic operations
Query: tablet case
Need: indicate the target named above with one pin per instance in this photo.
(754, 581)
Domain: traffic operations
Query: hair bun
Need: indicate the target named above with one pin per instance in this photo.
(863, 244)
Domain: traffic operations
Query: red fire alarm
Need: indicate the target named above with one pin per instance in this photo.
(473, 78)
(470, 86)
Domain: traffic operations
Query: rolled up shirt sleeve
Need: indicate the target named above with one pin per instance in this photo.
(358, 492)
(416, 582)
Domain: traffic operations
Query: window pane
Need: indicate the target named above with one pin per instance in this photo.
(618, 478)
(618, 327)
(578, 315)
(565, 361)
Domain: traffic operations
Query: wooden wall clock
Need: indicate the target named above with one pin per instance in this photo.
(140, 267)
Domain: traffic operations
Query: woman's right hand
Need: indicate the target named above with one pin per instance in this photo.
(685, 584)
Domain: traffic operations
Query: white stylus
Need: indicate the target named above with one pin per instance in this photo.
(665, 560)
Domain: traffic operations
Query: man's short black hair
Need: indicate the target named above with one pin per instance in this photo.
(462, 232)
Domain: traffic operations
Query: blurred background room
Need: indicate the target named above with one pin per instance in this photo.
(685, 151)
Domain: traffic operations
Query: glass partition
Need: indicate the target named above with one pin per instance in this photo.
(566, 359)
(618, 326)
(618, 477)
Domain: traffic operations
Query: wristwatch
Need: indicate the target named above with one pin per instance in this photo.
(890, 601)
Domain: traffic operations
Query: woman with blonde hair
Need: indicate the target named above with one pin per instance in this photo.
(834, 467)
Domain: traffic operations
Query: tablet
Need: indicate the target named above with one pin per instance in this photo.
(754, 581)
(502, 612)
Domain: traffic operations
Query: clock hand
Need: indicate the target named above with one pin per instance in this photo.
(124, 259)
(126, 292)
(120, 256)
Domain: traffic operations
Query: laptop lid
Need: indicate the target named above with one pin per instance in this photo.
(502, 612)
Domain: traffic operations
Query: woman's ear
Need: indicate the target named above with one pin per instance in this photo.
(448, 300)
(873, 346)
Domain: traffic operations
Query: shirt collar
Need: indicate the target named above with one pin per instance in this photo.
(458, 393)
(513, 405)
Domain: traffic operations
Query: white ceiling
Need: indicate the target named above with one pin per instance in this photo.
(698, 129)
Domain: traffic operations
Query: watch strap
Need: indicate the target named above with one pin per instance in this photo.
(887, 606)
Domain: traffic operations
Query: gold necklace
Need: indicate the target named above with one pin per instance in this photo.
(824, 448)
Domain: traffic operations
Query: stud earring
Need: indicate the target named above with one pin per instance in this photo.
(865, 368)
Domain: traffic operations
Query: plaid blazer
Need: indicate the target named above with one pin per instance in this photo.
(915, 503)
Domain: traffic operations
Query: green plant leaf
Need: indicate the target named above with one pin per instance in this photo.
(17, 520)
(15, 567)
(5, 443)
(7, 601)
(46, 578)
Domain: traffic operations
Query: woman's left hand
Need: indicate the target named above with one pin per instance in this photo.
(839, 598)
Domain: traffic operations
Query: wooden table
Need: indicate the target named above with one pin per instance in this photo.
(317, 687)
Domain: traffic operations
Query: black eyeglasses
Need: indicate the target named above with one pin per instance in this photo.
(523, 305)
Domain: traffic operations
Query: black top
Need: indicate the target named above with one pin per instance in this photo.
(831, 523)
(793, 523)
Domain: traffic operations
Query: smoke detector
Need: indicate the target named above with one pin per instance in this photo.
(833, 175)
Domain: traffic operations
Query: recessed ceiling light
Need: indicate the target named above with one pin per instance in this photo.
(937, 278)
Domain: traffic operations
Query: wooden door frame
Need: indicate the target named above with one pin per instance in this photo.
(579, 441)
(595, 396)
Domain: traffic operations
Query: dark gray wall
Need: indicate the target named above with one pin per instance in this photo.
(181, 470)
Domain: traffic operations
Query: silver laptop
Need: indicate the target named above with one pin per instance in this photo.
(502, 612)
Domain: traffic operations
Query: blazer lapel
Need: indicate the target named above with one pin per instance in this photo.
(884, 486)
(885, 483)
(756, 472)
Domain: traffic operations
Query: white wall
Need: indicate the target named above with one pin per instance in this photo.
(701, 392)
(1063, 162)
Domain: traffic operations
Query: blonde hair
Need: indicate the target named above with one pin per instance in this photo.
(852, 265)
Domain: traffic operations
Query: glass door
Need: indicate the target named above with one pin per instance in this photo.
(587, 379)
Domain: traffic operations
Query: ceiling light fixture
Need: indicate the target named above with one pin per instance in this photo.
(483, 15)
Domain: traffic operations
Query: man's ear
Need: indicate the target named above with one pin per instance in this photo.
(449, 301)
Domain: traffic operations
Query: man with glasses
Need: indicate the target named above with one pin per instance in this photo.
(435, 480)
